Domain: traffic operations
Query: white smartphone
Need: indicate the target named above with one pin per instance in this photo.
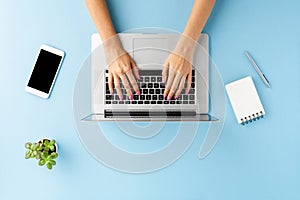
(45, 70)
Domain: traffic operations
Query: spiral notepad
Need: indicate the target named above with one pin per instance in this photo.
(245, 101)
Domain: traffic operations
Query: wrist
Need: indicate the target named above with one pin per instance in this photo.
(185, 45)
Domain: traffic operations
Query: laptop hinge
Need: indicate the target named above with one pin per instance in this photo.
(148, 114)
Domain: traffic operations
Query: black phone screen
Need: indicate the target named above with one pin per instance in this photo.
(44, 71)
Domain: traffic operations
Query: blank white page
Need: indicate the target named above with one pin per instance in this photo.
(244, 99)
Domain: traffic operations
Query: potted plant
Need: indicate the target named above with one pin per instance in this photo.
(45, 151)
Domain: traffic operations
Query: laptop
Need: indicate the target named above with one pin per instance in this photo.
(150, 51)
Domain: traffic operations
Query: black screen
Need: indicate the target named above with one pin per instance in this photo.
(44, 71)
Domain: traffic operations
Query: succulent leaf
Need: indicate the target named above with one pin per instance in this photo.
(49, 166)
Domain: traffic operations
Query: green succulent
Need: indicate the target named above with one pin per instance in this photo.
(44, 151)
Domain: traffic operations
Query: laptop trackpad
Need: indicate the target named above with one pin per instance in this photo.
(150, 50)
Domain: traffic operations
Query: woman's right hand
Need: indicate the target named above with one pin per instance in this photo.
(122, 69)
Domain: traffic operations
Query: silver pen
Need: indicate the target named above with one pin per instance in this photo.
(262, 76)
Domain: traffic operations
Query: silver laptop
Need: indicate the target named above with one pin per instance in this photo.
(150, 52)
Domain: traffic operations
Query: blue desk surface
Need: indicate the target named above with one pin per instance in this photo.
(259, 161)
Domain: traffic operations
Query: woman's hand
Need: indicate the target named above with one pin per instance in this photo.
(122, 68)
(178, 69)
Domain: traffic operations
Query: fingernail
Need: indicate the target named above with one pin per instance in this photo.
(121, 98)
(176, 97)
(186, 91)
(163, 80)
(169, 98)
(165, 96)
(111, 92)
(138, 93)
(139, 77)
(130, 97)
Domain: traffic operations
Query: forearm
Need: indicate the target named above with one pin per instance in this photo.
(198, 17)
(100, 15)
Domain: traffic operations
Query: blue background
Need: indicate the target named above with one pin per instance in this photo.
(258, 161)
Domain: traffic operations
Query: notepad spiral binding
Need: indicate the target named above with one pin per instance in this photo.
(252, 118)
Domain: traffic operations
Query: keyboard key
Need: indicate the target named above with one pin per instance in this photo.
(162, 85)
(178, 102)
(135, 97)
(127, 102)
(192, 97)
(150, 85)
(156, 85)
(192, 102)
(192, 91)
(106, 79)
(153, 102)
(193, 79)
(109, 97)
(140, 102)
(159, 79)
(185, 97)
(159, 102)
(133, 102)
(121, 102)
(157, 91)
(141, 79)
(107, 102)
(115, 102)
(185, 102)
(154, 97)
(172, 102)
(147, 79)
(161, 97)
(151, 91)
(117, 97)
(153, 79)
(143, 85)
(148, 97)
(146, 102)
(166, 102)
(193, 85)
(179, 98)
(193, 72)
(145, 91)
(142, 97)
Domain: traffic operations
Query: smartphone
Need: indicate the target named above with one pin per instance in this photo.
(45, 70)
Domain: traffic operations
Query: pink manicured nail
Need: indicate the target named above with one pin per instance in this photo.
(165, 96)
(121, 98)
(169, 98)
(111, 92)
(176, 97)
(138, 93)
(139, 77)
(163, 80)
(130, 97)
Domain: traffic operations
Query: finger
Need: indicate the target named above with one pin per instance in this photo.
(111, 83)
(126, 86)
(180, 87)
(135, 69)
(133, 82)
(170, 82)
(165, 72)
(189, 82)
(118, 87)
(174, 86)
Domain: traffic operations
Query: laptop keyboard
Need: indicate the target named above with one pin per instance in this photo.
(152, 90)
